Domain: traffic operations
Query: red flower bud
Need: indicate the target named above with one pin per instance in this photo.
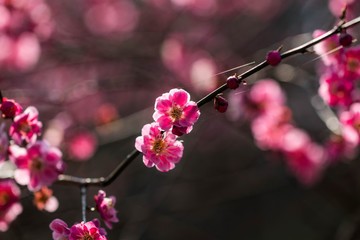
(273, 58)
(345, 39)
(220, 104)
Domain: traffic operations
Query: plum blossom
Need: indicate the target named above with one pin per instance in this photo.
(4, 143)
(79, 231)
(305, 159)
(10, 108)
(105, 206)
(88, 230)
(160, 149)
(10, 208)
(26, 126)
(176, 109)
(326, 49)
(60, 230)
(44, 200)
(350, 121)
(38, 165)
(336, 90)
(352, 63)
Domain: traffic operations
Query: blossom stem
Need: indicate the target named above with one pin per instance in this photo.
(83, 202)
(103, 181)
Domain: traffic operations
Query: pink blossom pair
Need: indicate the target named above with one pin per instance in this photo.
(175, 115)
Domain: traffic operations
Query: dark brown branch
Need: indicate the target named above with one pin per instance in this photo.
(116, 172)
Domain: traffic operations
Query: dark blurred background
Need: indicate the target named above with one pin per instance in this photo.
(95, 84)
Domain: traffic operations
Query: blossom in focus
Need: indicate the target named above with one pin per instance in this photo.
(60, 230)
(38, 165)
(350, 121)
(176, 109)
(88, 230)
(10, 208)
(336, 90)
(4, 143)
(160, 149)
(44, 200)
(26, 126)
(10, 108)
(105, 206)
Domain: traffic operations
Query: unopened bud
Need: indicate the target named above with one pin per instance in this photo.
(220, 104)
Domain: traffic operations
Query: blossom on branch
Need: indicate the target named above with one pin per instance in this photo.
(160, 149)
(26, 126)
(38, 165)
(105, 206)
(9, 205)
(79, 231)
(44, 200)
(175, 109)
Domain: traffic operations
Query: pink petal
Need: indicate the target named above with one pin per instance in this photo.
(165, 122)
(138, 143)
(163, 105)
(148, 163)
(22, 176)
(179, 96)
(52, 204)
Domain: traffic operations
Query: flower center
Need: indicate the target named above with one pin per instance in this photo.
(176, 113)
(352, 64)
(24, 128)
(4, 198)
(87, 237)
(36, 164)
(158, 146)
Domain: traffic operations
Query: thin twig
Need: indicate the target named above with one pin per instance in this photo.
(83, 202)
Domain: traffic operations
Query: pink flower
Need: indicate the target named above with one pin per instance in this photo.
(26, 127)
(326, 48)
(38, 165)
(265, 97)
(44, 200)
(160, 149)
(105, 206)
(82, 146)
(60, 230)
(10, 108)
(88, 230)
(305, 159)
(337, 149)
(350, 121)
(352, 63)
(4, 143)
(9, 205)
(176, 109)
(336, 90)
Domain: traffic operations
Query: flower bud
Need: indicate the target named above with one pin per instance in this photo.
(232, 82)
(220, 104)
(345, 39)
(273, 58)
(10, 108)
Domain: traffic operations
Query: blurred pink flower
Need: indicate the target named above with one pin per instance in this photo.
(350, 121)
(325, 47)
(38, 165)
(352, 63)
(82, 145)
(305, 159)
(44, 200)
(106, 17)
(10, 208)
(265, 97)
(4, 143)
(88, 230)
(105, 206)
(338, 148)
(26, 127)
(335, 90)
(60, 229)
(159, 149)
(176, 109)
(10, 108)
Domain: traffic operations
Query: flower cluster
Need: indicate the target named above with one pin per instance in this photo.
(37, 165)
(23, 25)
(174, 116)
(105, 206)
(273, 130)
(79, 231)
